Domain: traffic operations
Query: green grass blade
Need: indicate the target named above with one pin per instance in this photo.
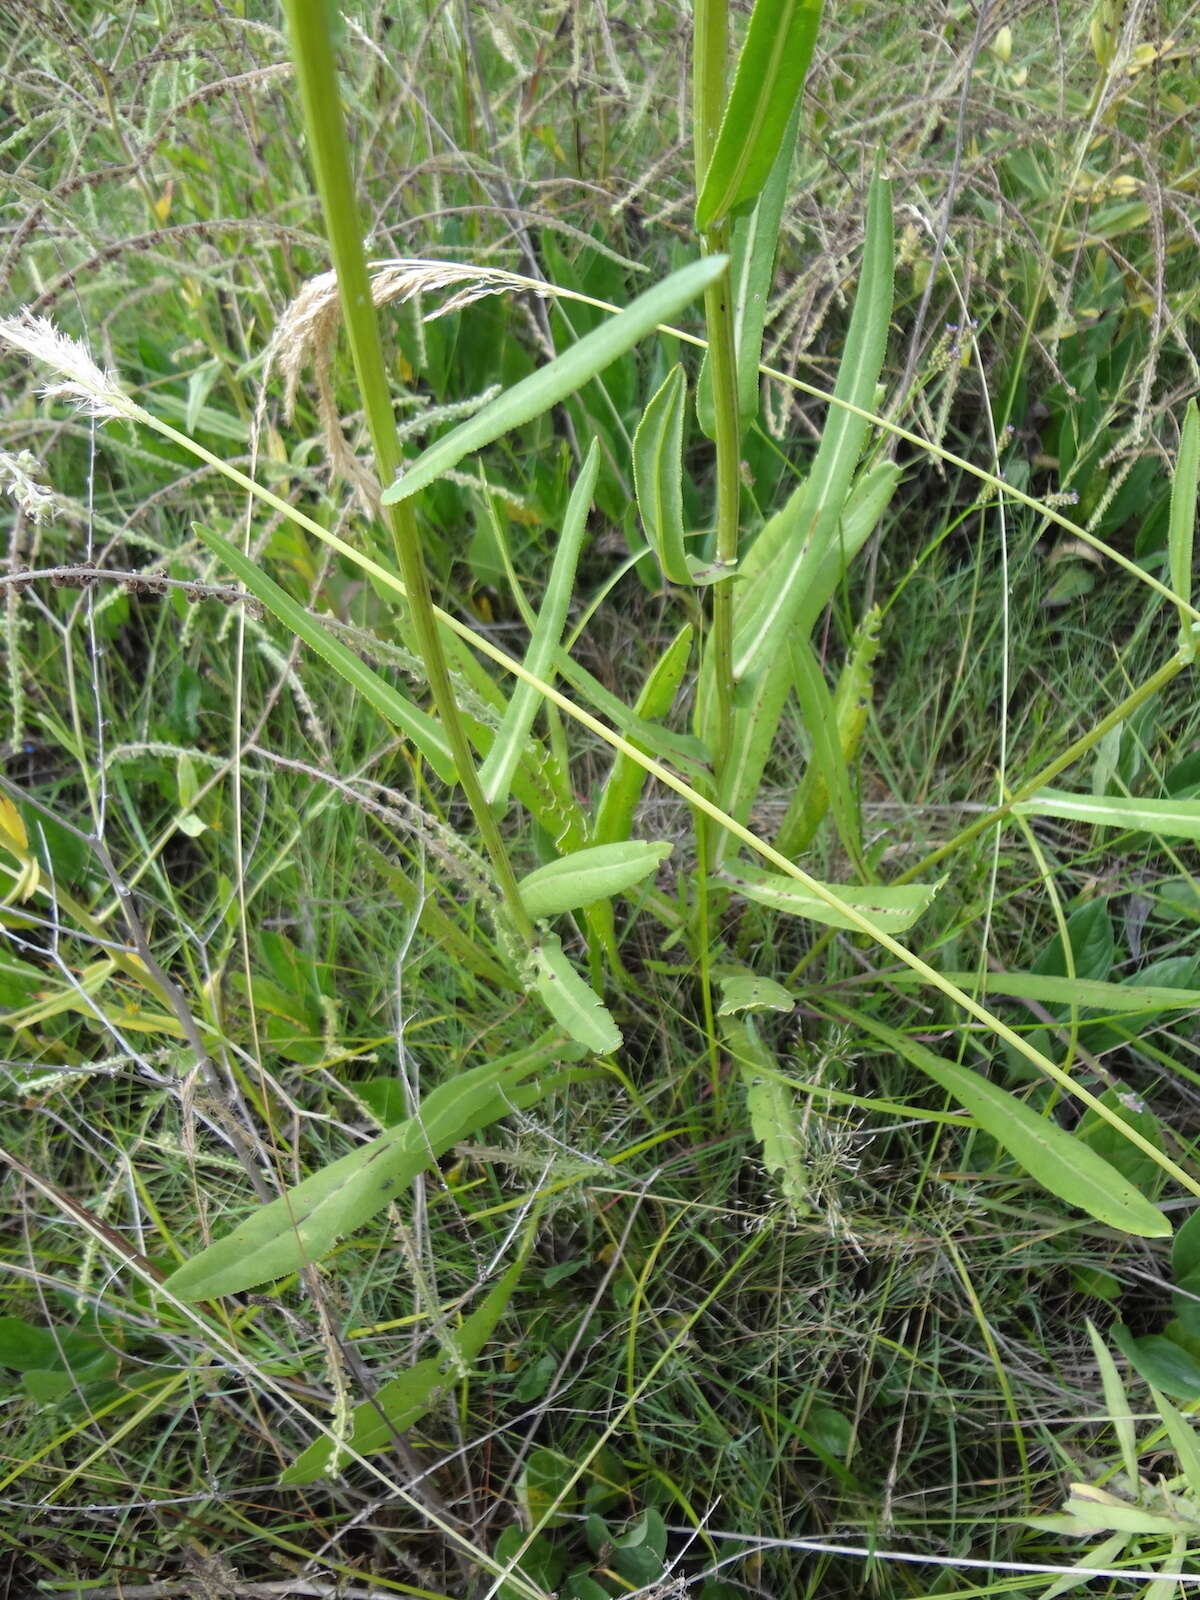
(626, 779)
(303, 1224)
(573, 1004)
(1170, 819)
(767, 85)
(892, 907)
(561, 377)
(391, 705)
(762, 629)
(495, 775)
(1181, 525)
(658, 474)
(585, 876)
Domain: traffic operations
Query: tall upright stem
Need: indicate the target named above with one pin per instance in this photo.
(314, 57)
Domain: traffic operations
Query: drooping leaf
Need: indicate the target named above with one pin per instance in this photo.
(1064, 1165)
(391, 705)
(495, 775)
(892, 907)
(585, 876)
(559, 378)
(767, 83)
(304, 1223)
(573, 1004)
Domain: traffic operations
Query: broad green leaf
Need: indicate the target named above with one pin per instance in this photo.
(1161, 1361)
(764, 626)
(1170, 819)
(585, 876)
(545, 1489)
(1116, 1404)
(774, 1119)
(767, 84)
(538, 1560)
(1182, 521)
(307, 1221)
(626, 779)
(400, 1403)
(658, 474)
(1061, 1163)
(1185, 1251)
(534, 395)
(745, 991)
(573, 1004)
(391, 705)
(751, 272)
(892, 907)
(495, 775)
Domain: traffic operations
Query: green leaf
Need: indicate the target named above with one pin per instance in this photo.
(1116, 1404)
(400, 1403)
(540, 1561)
(534, 395)
(747, 992)
(585, 876)
(1163, 1363)
(1170, 819)
(1182, 522)
(892, 907)
(771, 1106)
(1127, 998)
(658, 474)
(307, 1221)
(495, 775)
(767, 84)
(1185, 1251)
(766, 623)
(573, 1004)
(1183, 1438)
(751, 272)
(545, 1484)
(391, 705)
(1061, 1163)
(626, 779)
(1104, 1513)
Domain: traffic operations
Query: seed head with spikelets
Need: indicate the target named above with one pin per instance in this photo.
(77, 379)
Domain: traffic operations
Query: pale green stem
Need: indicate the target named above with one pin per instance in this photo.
(313, 53)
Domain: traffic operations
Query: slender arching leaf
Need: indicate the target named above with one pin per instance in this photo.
(626, 779)
(391, 705)
(495, 775)
(308, 1220)
(770, 75)
(588, 875)
(560, 377)
(573, 1004)
(1064, 1165)
(1182, 521)
(764, 623)
(658, 474)
(1172, 819)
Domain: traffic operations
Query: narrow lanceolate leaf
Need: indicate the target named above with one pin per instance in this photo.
(303, 1224)
(891, 907)
(1171, 819)
(1119, 999)
(770, 75)
(658, 474)
(751, 273)
(560, 377)
(585, 876)
(746, 991)
(1116, 1403)
(1064, 1165)
(774, 1119)
(496, 773)
(573, 1004)
(626, 778)
(764, 626)
(1182, 522)
(400, 1403)
(391, 705)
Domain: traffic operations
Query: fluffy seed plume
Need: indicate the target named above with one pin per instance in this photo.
(94, 390)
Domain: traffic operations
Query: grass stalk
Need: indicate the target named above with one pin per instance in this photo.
(313, 52)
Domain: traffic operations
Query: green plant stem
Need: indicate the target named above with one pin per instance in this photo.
(314, 56)
(1157, 681)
